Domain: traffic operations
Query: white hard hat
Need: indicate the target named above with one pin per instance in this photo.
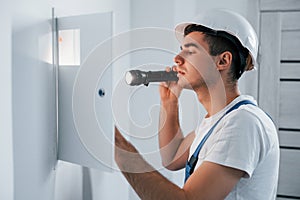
(228, 21)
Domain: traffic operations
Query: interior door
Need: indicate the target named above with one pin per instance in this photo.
(279, 85)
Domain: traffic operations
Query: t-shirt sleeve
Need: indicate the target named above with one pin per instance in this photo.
(237, 142)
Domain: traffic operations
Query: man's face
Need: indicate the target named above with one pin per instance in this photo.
(195, 66)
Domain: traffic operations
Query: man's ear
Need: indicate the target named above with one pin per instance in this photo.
(224, 60)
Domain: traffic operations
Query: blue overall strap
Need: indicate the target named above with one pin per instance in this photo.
(191, 164)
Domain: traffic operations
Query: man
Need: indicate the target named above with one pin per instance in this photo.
(234, 152)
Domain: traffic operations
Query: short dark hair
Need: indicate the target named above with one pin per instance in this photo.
(221, 41)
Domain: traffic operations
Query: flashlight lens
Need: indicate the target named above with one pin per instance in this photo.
(128, 78)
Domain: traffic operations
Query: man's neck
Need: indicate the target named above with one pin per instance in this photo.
(217, 97)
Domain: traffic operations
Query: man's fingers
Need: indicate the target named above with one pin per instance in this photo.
(118, 137)
(164, 84)
(174, 68)
(168, 83)
(117, 132)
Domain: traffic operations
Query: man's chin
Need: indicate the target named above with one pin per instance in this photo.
(184, 84)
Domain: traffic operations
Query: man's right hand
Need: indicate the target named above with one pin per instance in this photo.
(170, 91)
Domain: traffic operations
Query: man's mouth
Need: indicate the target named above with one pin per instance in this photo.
(180, 72)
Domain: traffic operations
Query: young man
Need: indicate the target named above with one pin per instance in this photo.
(234, 152)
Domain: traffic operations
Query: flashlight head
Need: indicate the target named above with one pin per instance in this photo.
(135, 77)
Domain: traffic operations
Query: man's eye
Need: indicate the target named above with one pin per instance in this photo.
(190, 52)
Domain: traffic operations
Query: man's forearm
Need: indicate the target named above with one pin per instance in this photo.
(152, 185)
(170, 135)
(144, 179)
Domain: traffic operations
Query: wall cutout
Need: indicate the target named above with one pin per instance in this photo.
(69, 47)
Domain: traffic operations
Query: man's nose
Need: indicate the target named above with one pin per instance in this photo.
(178, 59)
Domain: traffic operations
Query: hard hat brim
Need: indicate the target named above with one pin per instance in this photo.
(179, 30)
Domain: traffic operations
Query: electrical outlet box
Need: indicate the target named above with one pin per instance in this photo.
(84, 85)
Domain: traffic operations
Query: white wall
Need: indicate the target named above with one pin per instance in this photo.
(6, 134)
(28, 141)
(34, 139)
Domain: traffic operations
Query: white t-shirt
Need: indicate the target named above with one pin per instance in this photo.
(245, 139)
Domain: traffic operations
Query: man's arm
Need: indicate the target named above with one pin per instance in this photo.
(174, 154)
(209, 181)
(174, 147)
